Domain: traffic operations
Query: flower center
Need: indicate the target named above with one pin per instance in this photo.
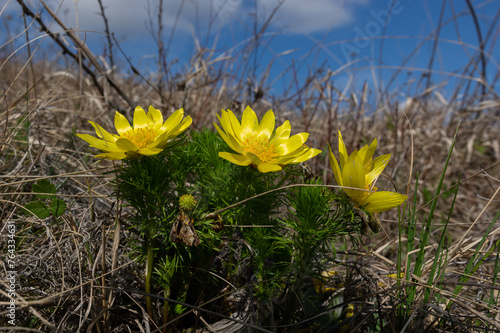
(260, 147)
(142, 136)
(366, 194)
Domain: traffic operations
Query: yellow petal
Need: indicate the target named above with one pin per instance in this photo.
(125, 145)
(366, 153)
(342, 151)
(226, 123)
(384, 200)
(112, 156)
(253, 158)
(354, 176)
(266, 127)
(160, 141)
(121, 124)
(305, 155)
(140, 118)
(335, 166)
(362, 154)
(235, 126)
(155, 116)
(102, 133)
(172, 121)
(181, 127)
(370, 151)
(231, 142)
(186, 122)
(283, 132)
(96, 143)
(234, 158)
(292, 144)
(89, 138)
(249, 121)
(267, 167)
(378, 166)
(293, 157)
(149, 151)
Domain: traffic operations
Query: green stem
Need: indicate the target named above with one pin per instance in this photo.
(149, 272)
(166, 294)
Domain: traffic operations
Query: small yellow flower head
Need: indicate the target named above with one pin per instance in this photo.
(148, 135)
(187, 202)
(350, 311)
(359, 170)
(382, 284)
(259, 144)
(319, 284)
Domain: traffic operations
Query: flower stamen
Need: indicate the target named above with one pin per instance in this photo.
(142, 136)
(260, 147)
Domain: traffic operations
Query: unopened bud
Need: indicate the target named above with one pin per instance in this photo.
(187, 202)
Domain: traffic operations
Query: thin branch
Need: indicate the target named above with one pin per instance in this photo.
(481, 47)
(81, 46)
(108, 35)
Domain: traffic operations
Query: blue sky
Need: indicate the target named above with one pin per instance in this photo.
(358, 40)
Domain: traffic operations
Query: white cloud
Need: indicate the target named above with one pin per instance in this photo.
(133, 18)
(309, 16)
(129, 18)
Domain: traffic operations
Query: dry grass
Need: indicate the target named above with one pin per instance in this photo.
(62, 262)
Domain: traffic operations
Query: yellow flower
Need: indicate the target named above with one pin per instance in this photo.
(259, 145)
(148, 136)
(391, 276)
(359, 170)
(350, 311)
(326, 276)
